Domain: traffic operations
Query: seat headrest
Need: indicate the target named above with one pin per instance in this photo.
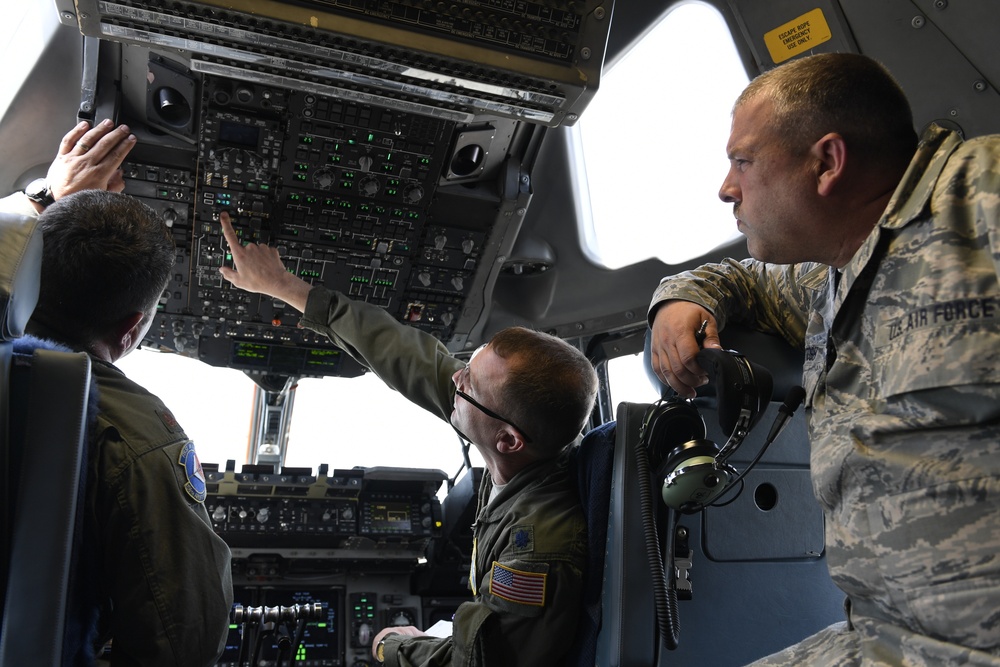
(20, 272)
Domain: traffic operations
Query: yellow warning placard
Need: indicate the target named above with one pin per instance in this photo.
(798, 35)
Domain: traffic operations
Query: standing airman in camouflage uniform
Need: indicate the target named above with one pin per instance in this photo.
(885, 269)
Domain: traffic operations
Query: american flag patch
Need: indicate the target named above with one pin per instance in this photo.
(517, 585)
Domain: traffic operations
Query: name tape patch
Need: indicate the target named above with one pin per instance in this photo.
(938, 314)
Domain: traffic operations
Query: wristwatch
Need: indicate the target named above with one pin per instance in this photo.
(380, 648)
(39, 192)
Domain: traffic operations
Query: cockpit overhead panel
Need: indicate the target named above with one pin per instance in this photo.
(538, 62)
(385, 149)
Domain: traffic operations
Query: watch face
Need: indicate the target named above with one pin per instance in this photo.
(37, 186)
(38, 191)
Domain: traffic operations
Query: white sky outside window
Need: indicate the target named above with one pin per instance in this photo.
(655, 150)
(654, 141)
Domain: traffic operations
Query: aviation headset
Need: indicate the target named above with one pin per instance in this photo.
(694, 469)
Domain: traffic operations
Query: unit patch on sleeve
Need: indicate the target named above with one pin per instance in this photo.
(518, 585)
(195, 485)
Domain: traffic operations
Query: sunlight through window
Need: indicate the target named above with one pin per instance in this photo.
(214, 406)
(654, 142)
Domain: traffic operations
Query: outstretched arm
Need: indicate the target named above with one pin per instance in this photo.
(258, 268)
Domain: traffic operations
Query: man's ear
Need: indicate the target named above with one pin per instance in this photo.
(510, 441)
(830, 153)
(122, 336)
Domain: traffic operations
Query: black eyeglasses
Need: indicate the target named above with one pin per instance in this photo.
(486, 411)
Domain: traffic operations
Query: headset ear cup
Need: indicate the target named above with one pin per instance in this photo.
(740, 385)
(692, 449)
(765, 389)
(669, 425)
(693, 477)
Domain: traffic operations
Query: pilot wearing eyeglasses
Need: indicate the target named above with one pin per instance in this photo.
(521, 400)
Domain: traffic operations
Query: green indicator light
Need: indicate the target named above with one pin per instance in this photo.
(321, 625)
(371, 137)
(351, 142)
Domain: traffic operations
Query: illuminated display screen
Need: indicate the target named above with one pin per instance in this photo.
(320, 645)
(253, 354)
(324, 358)
(284, 358)
(393, 516)
(238, 134)
(321, 638)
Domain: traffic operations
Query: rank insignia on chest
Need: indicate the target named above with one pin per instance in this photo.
(522, 539)
(169, 421)
(518, 585)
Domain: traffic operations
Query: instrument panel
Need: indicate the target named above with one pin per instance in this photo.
(349, 195)
(332, 556)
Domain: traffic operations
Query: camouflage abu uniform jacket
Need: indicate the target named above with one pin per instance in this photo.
(530, 541)
(902, 376)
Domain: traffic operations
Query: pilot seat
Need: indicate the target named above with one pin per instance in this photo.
(44, 399)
